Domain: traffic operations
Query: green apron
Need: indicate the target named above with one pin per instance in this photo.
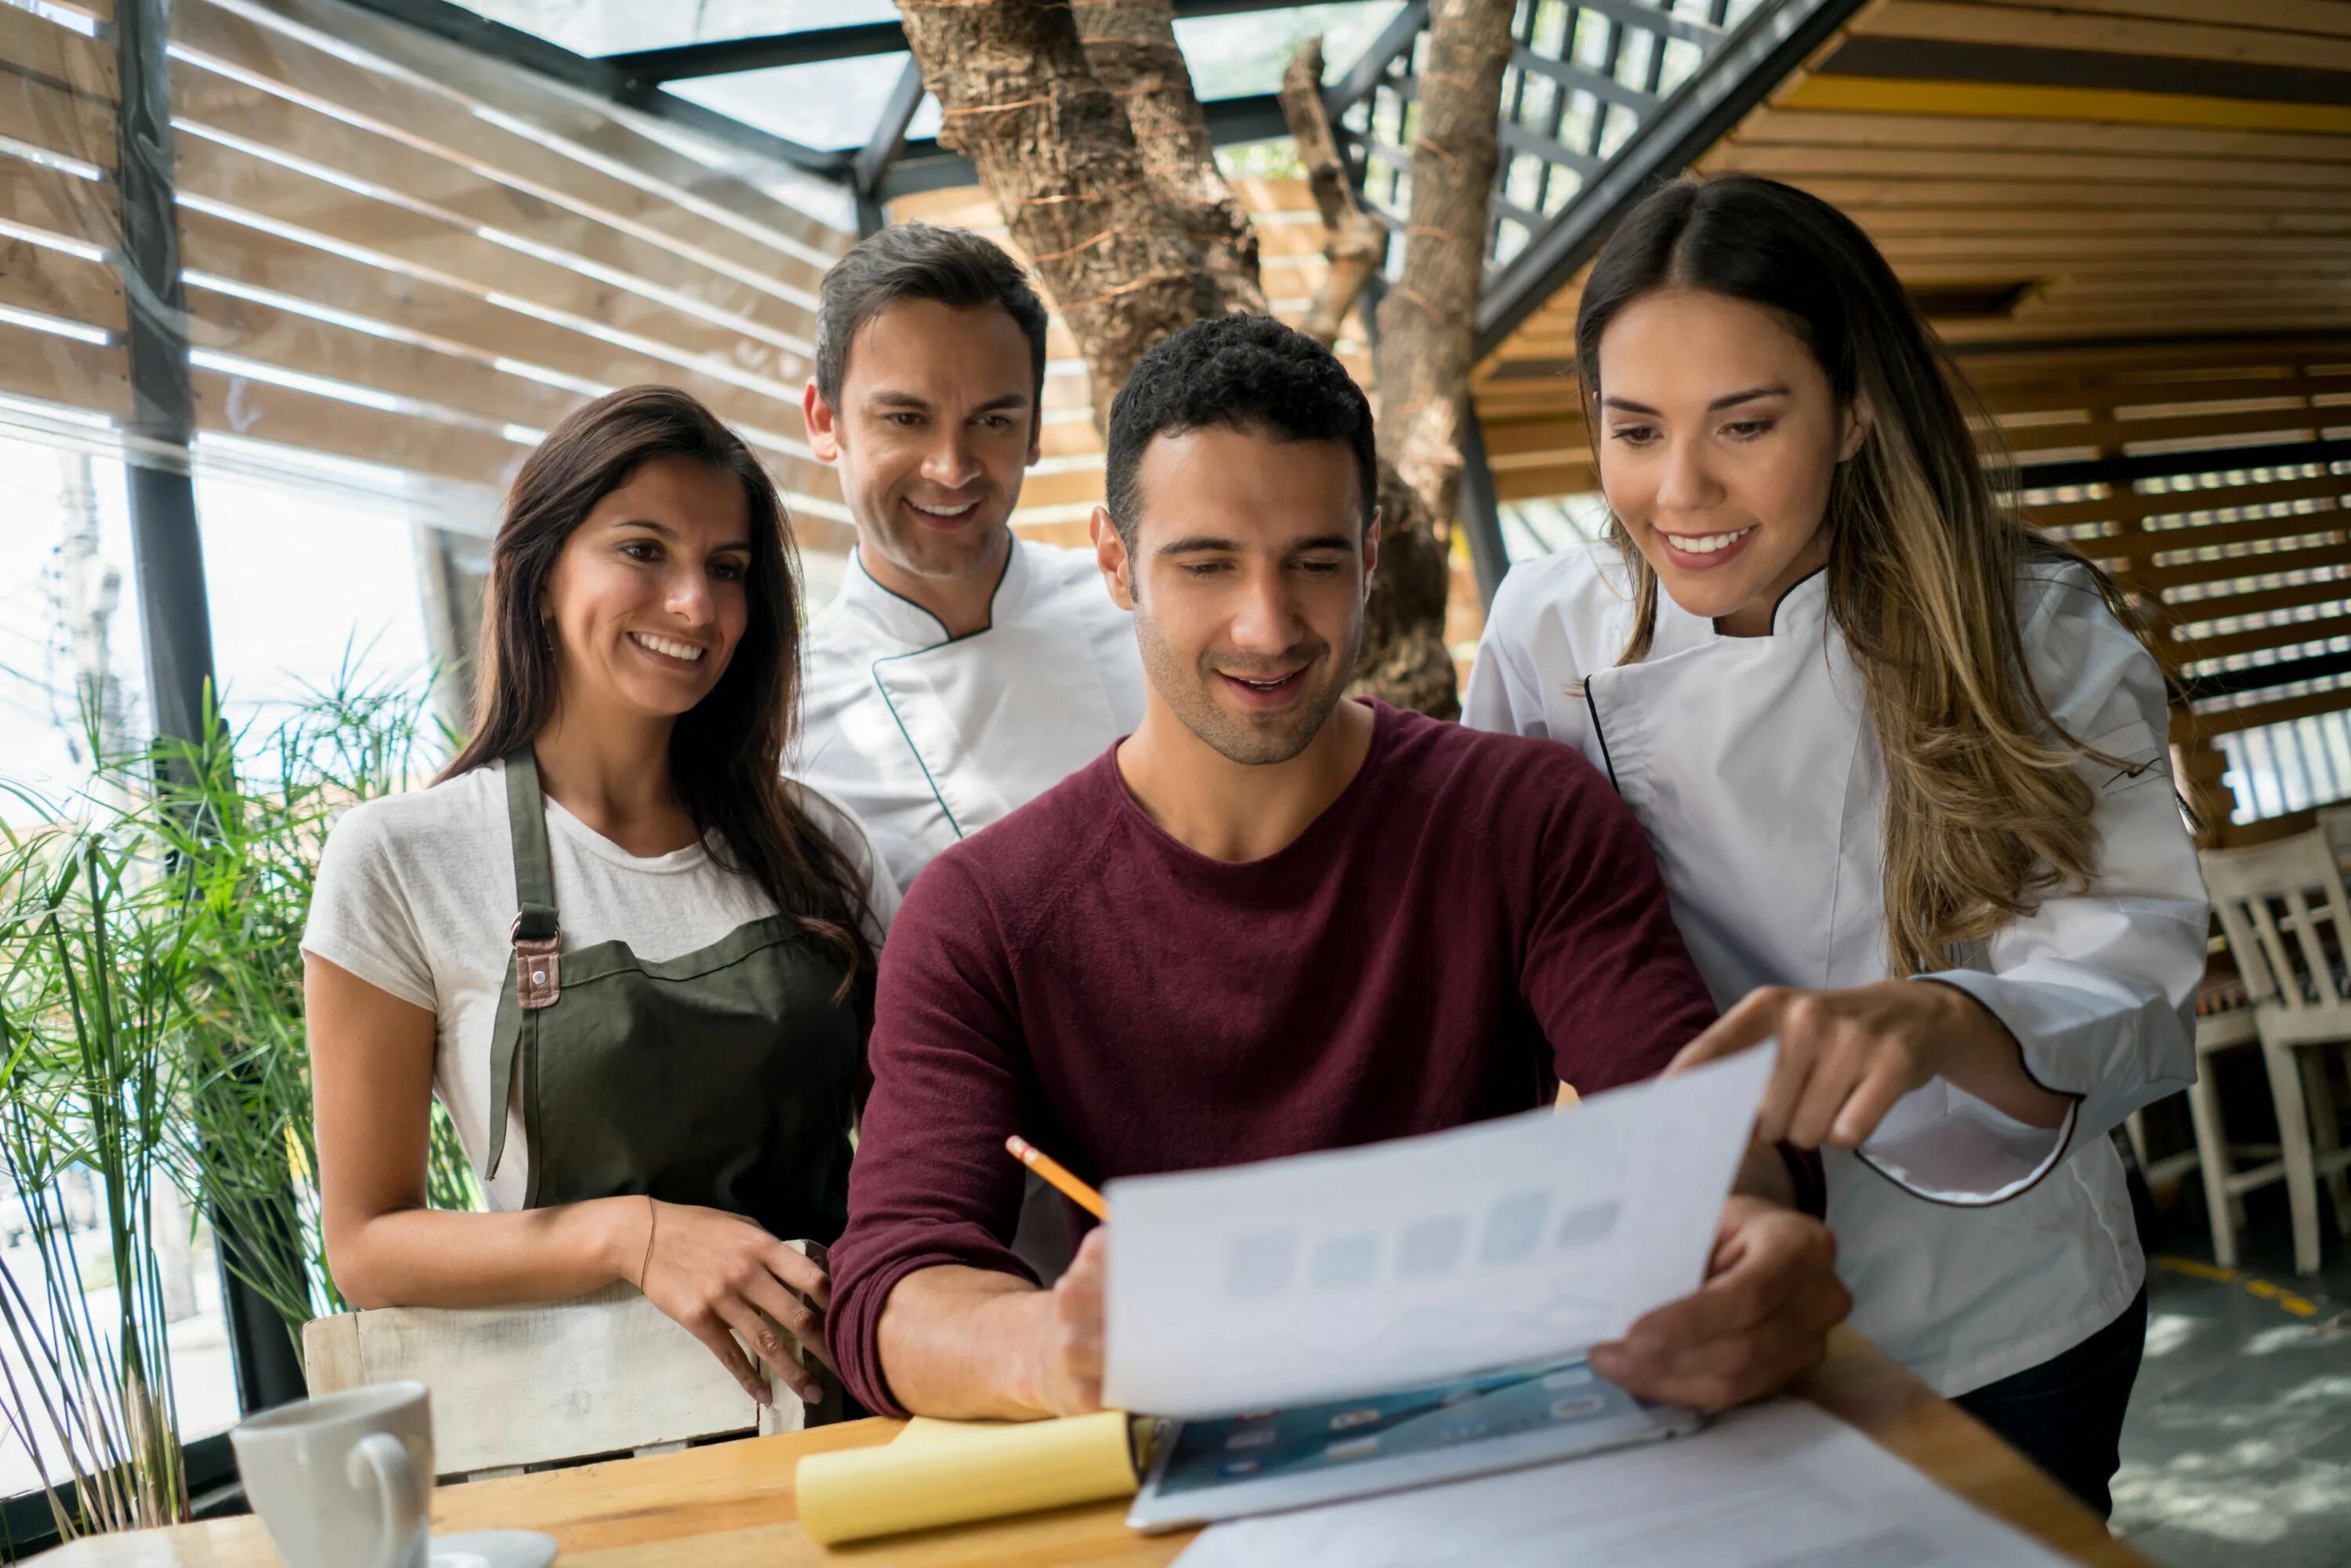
(726, 1078)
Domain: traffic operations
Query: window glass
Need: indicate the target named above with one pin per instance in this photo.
(70, 643)
(623, 27)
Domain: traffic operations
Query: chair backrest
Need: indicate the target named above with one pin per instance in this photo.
(602, 1373)
(2272, 900)
(2336, 823)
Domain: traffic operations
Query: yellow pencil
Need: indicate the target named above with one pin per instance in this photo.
(1059, 1179)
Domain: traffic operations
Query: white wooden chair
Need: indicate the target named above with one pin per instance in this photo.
(2272, 900)
(2335, 821)
(515, 1386)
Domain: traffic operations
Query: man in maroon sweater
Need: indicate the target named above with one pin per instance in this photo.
(1268, 921)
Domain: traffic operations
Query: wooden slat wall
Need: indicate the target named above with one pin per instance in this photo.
(2138, 173)
(59, 217)
(369, 209)
(1061, 491)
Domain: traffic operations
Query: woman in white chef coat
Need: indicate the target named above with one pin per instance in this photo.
(1904, 765)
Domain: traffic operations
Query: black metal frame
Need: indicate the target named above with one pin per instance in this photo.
(925, 165)
(1734, 77)
(167, 552)
(26, 1526)
(606, 78)
(2162, 464)
(812, 46)
(1481, 512)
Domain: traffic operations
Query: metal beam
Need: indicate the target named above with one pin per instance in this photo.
(1481, 512)
(1732, 81)
(925, 165)
(1359, 79)
(865, 171)
(2260, 677)
(167, 549)
(1648, 18)
(1584, 79)
(494, 40)
(2162, 464)
(725, 57)
(169, 556)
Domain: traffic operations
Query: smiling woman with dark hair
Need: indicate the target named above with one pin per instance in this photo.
(632, 959)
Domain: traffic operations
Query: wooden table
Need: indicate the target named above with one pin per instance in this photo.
(731, 1505)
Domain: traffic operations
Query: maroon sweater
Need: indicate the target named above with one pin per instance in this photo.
(1476, 917)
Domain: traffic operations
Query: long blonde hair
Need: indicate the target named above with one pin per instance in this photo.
(1987, 807)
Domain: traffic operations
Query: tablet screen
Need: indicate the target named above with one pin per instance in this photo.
(1322, 1438)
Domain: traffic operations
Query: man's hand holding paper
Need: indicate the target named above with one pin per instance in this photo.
(1760, 1320)
(1509, 1243)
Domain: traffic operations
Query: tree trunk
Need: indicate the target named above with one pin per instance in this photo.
(1130, 45)
(1116, 200)
(1355, 242)
(1056, 149)
(1429, 320)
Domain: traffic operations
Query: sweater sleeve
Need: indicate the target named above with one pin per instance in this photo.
(1603, 968)
(1606, 971)
(932, 1184)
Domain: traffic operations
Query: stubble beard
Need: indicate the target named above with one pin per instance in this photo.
(920, 553)
(1189, 689)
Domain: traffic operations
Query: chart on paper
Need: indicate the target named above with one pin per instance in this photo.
(1335, 1274)
(1778, 1486)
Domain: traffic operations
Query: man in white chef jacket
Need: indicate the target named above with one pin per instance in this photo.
(961, 671)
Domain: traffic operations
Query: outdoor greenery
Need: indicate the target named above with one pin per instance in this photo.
(151, 1035)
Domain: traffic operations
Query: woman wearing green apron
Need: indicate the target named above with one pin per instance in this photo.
(631, 958)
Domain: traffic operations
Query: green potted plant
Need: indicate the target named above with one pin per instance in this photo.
(152, 1037)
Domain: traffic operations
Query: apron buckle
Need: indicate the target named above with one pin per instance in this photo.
(538, 967)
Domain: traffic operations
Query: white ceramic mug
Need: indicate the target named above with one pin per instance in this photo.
(346, 1480)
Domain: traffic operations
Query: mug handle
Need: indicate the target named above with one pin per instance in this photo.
(383, 1459)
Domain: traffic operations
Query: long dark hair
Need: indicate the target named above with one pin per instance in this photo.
(726, 753)
(1986, 807)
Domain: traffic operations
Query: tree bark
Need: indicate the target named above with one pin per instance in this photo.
(1429, 320)
(1355, 242)
(1056, 149)
(1130, 45)
(1126, 252)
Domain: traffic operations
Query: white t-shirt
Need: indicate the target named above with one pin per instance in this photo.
(415, 895)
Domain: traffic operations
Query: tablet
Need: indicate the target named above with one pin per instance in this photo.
(1270, 1459)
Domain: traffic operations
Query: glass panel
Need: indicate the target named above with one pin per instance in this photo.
(1241, 55)
(293, 619)
(833, 104)
(68, 616)
(203, 1381)
(622, 27)
(71, 661)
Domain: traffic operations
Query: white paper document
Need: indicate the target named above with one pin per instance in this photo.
(1498, 1245)
(1775, 1486)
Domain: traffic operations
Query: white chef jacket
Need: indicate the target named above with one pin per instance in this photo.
(928, 738)
(1975, 1246)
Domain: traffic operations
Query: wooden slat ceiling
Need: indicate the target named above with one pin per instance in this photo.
(397, 251)
(1061, 491)
(2044, 172)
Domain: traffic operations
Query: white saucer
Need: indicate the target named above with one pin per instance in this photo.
(493, 1548)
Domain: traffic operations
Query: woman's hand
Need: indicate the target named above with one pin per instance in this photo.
(1846, 1056)
(713, 1272)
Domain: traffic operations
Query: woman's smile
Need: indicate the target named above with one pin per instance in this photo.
(1703, 552)
(669, 651)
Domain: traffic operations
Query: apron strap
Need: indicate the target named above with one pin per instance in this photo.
(535, 919)
(537, 935)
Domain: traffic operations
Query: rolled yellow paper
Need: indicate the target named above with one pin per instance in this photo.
(940, 1472)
